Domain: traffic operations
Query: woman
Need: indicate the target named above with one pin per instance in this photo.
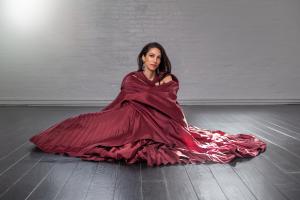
(145, 123)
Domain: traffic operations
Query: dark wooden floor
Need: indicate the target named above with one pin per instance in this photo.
(26, 173)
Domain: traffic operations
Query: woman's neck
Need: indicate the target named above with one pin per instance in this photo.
(149, 74)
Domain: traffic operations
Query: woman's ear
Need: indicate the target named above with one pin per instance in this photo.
(143, 58)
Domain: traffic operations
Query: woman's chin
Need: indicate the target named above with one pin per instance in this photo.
(152, 68)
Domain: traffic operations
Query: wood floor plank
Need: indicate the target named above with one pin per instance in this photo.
(284, 159)
(54, 181)
(9, 116)
(255, 181)
(20, 134)
(154, 190)
(178, 183)
(230, 183)
(281, 157)
(269, 124)
(204, 182)
(14, 157)
(128, 183)
(291, 191)
(296, 176)
(16, 139)
(274, 174)
(278, 125)
(151, 173)
(153, 183)
(287, 122)
(278, 137)
(79, 182)
(289, 118)
(287, 185)
(104, 181)
(23, 188)
(18, 171)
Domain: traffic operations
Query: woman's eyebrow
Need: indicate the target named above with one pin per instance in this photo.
(153, 54)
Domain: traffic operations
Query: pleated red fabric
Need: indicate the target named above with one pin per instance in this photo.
(144, 123)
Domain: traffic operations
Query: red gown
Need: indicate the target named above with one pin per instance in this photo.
(144, 123)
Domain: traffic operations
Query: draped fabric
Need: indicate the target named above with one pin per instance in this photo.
(144, 123)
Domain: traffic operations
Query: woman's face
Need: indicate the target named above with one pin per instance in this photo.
(152, 59)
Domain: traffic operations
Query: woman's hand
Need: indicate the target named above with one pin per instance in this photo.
(167, 79)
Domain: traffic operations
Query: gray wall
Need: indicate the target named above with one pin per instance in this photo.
(77, 51)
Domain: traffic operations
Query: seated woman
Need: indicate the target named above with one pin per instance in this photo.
(145, 123)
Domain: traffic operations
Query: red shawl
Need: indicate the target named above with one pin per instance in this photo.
(144, 123)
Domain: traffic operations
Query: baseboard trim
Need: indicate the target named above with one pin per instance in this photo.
(41, 102)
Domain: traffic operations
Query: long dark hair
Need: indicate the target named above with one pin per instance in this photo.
(164, 67)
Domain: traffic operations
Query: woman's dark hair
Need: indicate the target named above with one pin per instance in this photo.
(164, 67)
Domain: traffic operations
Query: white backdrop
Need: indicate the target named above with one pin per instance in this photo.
(77, 52)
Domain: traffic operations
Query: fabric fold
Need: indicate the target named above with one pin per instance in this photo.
(144, 123)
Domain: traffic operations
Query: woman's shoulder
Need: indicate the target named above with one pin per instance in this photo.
(129, 76)
(131, 73)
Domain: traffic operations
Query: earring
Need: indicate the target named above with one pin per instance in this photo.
(143, 67)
